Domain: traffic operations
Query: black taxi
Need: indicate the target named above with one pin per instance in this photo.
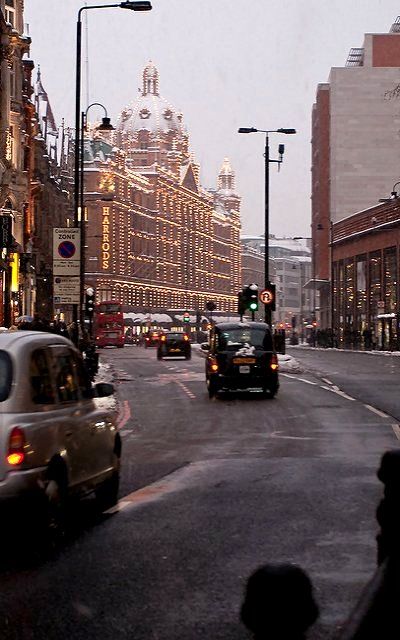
(241, 356)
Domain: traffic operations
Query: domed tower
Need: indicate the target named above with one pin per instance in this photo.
(225, 195)
(151, 131)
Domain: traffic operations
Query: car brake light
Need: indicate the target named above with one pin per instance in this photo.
(274, 362)
(213, 365)
(163, 338)
(16, 443)
(185, 337)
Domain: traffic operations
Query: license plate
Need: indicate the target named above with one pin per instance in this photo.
(112, 335)
(244, 360)
(175, 350)
(244, 369)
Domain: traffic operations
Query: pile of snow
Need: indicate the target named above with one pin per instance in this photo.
(288, 363)
(109, 403)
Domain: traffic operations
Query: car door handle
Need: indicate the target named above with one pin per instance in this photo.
(69, 433)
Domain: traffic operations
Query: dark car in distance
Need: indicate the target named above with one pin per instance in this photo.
(241, 356)
(152, 339)
(174, 344)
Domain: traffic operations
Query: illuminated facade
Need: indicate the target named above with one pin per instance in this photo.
(160, 240)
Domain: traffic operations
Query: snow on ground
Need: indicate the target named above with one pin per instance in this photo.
(105, 374)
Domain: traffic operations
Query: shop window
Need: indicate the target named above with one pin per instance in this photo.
(390, 279)
(375, 288)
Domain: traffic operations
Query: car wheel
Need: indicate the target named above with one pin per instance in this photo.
(159, 356)
(212, 388)
(107, 492)
(188, 356)
(50, 515)
(270, 393)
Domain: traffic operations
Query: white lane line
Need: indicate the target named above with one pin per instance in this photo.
(287, 375)
(396, 430)
(378, 413)
(326, 380)
(308, 381)
(342, 394)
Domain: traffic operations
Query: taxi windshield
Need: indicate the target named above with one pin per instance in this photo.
(231, 339)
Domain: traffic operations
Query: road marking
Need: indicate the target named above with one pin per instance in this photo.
(124, 415)
(378, 413)
(308, 381)
(277, 434)
(396, 430)
(186, 390)
(338, 392)
(326, 380)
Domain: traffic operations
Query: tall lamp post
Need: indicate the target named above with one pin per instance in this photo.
(267, 162)
(104, 126)
(133, 5)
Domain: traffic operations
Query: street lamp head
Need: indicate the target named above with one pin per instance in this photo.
(247, 130)
(105, 125)
(136, 5)
(287, 131)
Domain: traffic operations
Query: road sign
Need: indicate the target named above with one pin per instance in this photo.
(267, 296)
(66, 289)
(66, 251)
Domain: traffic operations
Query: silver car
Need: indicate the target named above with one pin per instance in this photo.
(54, 442)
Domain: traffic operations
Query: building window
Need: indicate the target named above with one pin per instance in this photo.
(390, 279)
(10, 12)
(375, 290)
(12, 81)
(361, 292)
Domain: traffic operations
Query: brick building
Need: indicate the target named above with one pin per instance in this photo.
(365, 273)
(355, 121)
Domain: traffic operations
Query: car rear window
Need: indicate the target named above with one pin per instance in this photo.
(233, 339)
(5, 375)
(174, 336)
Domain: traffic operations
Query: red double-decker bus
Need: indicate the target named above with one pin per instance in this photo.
(109, 324)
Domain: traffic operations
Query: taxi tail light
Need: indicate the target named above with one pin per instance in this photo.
(163, 338)
(274, 362)
(185, 337)
(16, 444)
(213, 365)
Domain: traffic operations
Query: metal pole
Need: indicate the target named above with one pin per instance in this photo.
(82, 225)
(266, 237)
(77, 133)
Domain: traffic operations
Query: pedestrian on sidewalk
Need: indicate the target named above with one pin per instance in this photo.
(279, 603)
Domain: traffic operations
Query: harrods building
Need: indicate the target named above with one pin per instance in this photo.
(156, 239)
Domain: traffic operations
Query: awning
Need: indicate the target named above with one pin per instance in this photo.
(316, 284)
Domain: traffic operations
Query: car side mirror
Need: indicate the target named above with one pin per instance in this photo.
(205, 346)
(103, 389)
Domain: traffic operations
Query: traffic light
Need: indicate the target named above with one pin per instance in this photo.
(89, 302)
(186, 316)
(241, 308)
(250, 295)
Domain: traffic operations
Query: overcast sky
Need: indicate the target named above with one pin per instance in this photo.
(225, 64)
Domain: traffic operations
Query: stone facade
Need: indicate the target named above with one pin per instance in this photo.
(169, 242)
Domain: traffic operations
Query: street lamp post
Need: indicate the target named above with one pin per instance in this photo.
(133, 5)
(266, 210)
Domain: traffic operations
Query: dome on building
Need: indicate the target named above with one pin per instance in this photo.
(150, 112)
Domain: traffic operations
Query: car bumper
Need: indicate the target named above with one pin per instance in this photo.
(244, 381)
(20, 485)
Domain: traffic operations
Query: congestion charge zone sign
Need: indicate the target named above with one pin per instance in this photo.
(66, 251)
